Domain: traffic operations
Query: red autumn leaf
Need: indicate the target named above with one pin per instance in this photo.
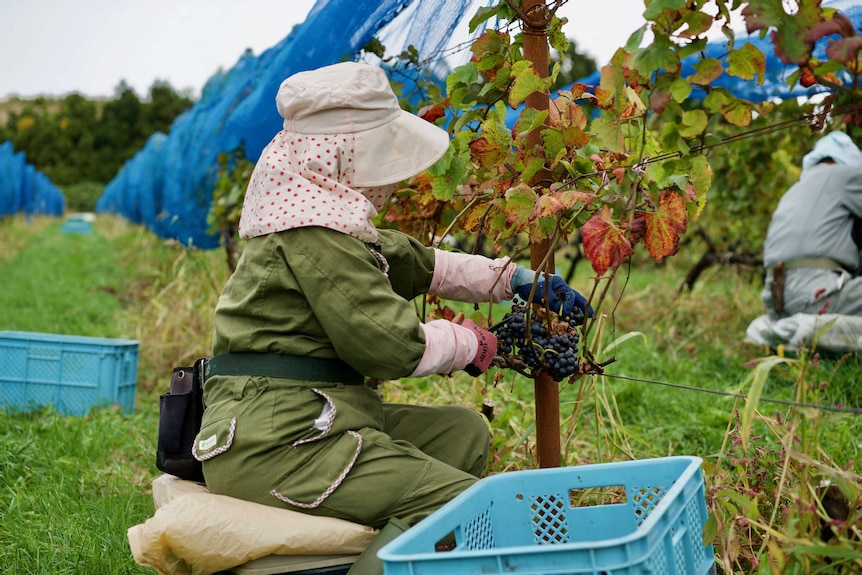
(605, 245)
(845, 50)
(838, 24)
(434, 111)
(665, 226)
(581, 90)
(638, 229)
(807, 78)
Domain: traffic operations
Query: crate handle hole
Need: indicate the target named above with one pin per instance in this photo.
(596, 496)
(446, 544)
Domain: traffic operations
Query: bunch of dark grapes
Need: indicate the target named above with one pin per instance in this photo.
(555, 352)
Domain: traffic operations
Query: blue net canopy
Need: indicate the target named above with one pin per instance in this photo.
(23, 189)
(168, 185)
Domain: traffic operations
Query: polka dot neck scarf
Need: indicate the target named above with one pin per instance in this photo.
(304, 180)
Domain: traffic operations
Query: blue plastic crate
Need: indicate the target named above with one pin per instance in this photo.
(72, 373)
(626, 518)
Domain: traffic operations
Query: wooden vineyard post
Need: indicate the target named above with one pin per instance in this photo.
(547, 392)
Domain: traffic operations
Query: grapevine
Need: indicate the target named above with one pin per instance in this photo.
(550, 345)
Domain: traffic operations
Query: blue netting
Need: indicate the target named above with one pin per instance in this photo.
(23, 189)
(167, 186)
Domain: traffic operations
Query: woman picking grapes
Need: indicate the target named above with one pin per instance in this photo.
(320, 300)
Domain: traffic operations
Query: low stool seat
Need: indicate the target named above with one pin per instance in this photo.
(200, 532)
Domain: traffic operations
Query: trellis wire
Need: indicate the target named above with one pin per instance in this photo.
(835, 408)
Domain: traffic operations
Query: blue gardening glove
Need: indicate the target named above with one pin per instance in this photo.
(562, 300)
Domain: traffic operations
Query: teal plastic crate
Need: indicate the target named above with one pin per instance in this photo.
(72, 373)
(626, 518)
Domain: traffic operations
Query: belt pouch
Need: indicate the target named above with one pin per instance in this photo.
(180, 414)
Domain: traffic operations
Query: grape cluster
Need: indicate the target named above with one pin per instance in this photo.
(555, 352)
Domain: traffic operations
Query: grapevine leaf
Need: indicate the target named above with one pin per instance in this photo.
(635, 107)
(608, 133)
(656, 8)
(634, 41)
(665, 226)
(520, 205)
(845, 50)
(604, 243)
(552, 142)
(532, 167)
(747, 62)
(734, 110)
(693, 47)
(491, 42)
(700, 176)
(543, 229)
(698, 23)
(486, 153)
(610, 83)
(482, 14)
(680, 90)
(706, 71)
(571, 198)
(548, 205)
(433, 112)
(529, 120)
(659, 55)
(660, 97)
(693, 123)
(838, 24)
(789, 31)
(464, 74)
(526, 82)
(737, 112)
(443, 189)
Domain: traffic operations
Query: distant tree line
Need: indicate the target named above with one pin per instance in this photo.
(79, 141)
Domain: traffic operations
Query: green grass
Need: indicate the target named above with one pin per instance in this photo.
(70, 487)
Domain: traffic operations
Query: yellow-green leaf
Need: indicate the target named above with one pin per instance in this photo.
(608, 133)
(526, 82)
(693, 123)
(747, 62)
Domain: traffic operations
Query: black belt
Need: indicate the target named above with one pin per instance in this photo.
(286, 366)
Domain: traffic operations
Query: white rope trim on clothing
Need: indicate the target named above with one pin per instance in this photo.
(329, 489)
(218, 450)
(325, 431)
(381, 259)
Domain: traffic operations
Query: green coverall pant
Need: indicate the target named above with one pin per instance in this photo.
(371, 462)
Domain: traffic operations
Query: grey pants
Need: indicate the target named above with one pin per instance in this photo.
(816, 291)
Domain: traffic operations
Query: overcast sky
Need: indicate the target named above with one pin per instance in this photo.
(54, 47)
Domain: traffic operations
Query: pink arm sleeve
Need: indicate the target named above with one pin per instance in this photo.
(471, 278)
(448, 347)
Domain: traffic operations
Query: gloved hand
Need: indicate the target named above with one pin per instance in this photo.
(486, 352)
(562, 300)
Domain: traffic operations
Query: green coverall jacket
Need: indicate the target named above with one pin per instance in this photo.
(331, 448)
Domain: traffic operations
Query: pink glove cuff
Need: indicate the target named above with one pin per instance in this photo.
(471, 278)
(448, 347)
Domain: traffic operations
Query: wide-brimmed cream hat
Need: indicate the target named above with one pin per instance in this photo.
(391, 144)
